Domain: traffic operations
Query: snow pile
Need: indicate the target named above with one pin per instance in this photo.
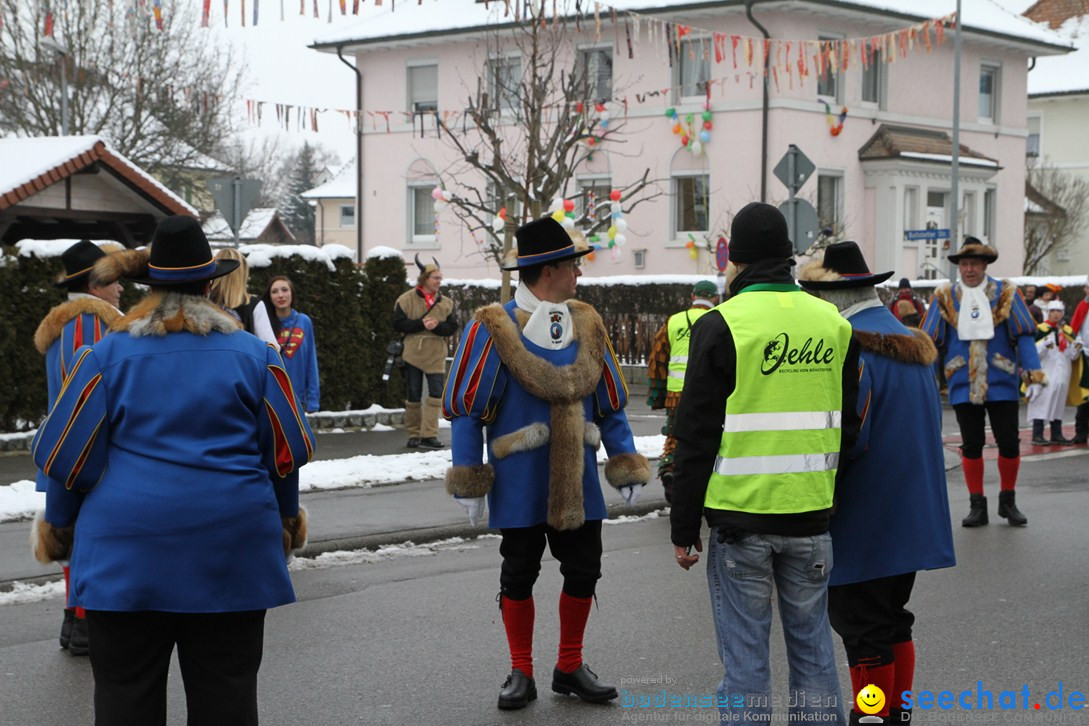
(389, 552)
(381, 251)
(262, 255)
(22, 592)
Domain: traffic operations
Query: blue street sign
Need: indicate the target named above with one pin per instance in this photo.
(912, 235)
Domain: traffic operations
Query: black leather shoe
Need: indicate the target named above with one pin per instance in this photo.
(1007, 507)
(977, 514)
(430, 443)
(66, 627)
(518, 690)
(413, 443)
(1079, 439)
(583, 683)
(80, 644)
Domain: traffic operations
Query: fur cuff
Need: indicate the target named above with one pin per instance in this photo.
(294, 532)
(50, 543)
(625, 469)
(470, 481)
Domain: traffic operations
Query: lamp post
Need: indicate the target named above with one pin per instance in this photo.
(51, 43)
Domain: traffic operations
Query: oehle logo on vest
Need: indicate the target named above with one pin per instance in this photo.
(808, 358)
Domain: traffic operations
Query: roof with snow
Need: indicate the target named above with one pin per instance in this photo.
(1066, 74)
(416, 21)
(262, 224)
(55, 187)
(341, 186)
(904, 142)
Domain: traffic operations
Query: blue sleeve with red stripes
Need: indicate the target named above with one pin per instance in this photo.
(286, 440)
(71, 445)
(610, 398)
(472, 394)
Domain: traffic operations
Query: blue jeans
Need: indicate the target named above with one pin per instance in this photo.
(740, 577)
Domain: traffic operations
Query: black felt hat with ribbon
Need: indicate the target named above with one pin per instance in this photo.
(843, 266)
(180, 254)
(78, 261)
(973, 247)
(543, 241)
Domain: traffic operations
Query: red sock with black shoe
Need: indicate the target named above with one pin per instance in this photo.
(518, 616)
(574, 612)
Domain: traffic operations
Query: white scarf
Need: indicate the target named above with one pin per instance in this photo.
(549, 325)
(975, 321)
(858, 307)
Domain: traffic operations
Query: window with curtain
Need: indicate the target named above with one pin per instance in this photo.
(694, 68)
(423, 88)
(595, 68)
(691, 204)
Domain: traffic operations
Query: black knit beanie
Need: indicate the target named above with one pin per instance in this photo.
(759, 232)
(905, 283)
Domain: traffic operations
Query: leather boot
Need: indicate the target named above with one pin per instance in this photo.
(1057, 438)
(1038, 432)
(80, 643)
(1081, 424)
(583, 683)
(977, 514)
(66, 627)
(518, 690)
(412, 423)
(1007, 507)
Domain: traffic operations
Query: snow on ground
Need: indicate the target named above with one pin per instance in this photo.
(19, 501)
(22, 592)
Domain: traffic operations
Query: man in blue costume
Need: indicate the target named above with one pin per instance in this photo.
(540, 375)
(986, 335)
(893, 515)
(82, 319)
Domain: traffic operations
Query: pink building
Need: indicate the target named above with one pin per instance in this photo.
(884, 173)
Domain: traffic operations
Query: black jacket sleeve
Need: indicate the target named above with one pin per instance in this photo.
(403, 324)
(851, 421)
(447, 327)
(697, 427)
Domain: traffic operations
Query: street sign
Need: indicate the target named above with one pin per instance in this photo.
(794, 176)
(722, 254)
(912, 235)
(234, 197)
(802, 223)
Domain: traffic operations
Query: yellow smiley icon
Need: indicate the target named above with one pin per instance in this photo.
(870, 699)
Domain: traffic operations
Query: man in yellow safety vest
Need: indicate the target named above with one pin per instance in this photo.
(769, 404)
(665, 369)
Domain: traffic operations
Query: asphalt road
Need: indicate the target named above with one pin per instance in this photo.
(418, 640)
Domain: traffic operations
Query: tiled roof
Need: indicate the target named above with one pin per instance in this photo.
(1057, 12)
(890, 142)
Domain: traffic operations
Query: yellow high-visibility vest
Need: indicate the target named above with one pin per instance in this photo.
(679, 328)
(781, 435)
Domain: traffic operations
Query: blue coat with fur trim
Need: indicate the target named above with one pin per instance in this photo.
(172, 454)
(79, 321)
(546, 413)
(984, 370)
(893, 512)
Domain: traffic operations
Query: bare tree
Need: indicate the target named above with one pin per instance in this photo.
(1059, 215)
(162, 98)
(531, 123)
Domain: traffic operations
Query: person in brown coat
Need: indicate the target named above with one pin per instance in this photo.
(426, 319)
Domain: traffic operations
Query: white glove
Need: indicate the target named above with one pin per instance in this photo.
(1033, 392)
(631, 493)
(473, 506)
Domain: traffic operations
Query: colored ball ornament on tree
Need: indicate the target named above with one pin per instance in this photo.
(437, 194)
(615, 195)
(705, 136)
(568, 205)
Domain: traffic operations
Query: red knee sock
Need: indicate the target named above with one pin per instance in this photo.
(973, 474)
(518, 620)
(1007, 472)
(881, 676)
(904, 655)
(574, 612)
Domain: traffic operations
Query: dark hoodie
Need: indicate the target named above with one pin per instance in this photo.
(712, 360)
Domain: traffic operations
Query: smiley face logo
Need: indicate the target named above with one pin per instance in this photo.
(870, 699)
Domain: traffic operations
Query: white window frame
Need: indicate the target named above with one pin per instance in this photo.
(410, 90)
(911, 208)
(990, 211)
(678, 73)
(601, 203)
(346, 208)
(878, 69)
(1034, 141)
(681, 235)
(495, 98)
(837, 222)
(592, 78)
(834, 76)
(995, 69)
(419, 241)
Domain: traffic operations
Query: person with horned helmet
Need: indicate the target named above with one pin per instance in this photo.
(425, 317)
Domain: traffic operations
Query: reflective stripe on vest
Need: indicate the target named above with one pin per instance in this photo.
(679, 329)
(780, 443)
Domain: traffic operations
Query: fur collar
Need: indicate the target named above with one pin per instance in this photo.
(915, 348)
(53, 323)
(170, 312)
(1000, 311)
(543, 379)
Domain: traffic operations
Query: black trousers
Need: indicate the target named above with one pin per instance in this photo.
(1003, 416)
(219, 655)
(578, 550)
(871, 617)
(414, 378)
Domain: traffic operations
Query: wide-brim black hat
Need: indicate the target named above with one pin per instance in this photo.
(180, 254)
(843, 266)
(974, 248)
(78, 261)
(541, 242)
